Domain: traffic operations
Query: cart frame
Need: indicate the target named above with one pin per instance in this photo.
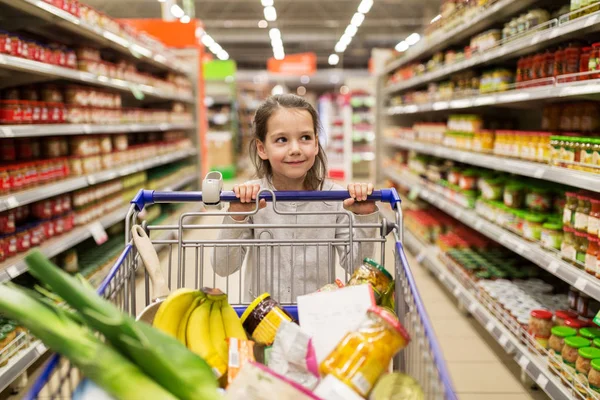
(422, 359)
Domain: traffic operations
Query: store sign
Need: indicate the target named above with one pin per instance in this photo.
(295, 64)
(218, 70)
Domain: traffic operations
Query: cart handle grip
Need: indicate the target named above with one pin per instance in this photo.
(148, 197)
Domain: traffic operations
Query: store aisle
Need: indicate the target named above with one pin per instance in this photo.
(479, 367)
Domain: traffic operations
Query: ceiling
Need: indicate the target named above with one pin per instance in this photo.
(306, 25)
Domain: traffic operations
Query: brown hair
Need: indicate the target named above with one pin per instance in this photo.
(316, 175)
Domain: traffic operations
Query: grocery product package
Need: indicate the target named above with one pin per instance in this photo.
(257, 382)
(293, 355)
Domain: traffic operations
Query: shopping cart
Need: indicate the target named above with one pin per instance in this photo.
(190, 254)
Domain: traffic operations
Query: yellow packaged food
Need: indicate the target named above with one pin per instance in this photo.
(263, 317)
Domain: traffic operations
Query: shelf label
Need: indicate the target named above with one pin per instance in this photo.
(421, 256)
(98, 232)
(414, 193)
(87, 129)
(12, 271)
(524, 362)
(542, 381)
(472, 308)
(7, 132)
(41, 348)
(503, 340)
(12, 202)
(489, 326)
(456, 291)
(478, 224)
(136, 91)
(591, 20)
(539, 172)
(580, 283)
(553, 267)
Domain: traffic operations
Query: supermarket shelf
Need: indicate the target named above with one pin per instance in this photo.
(18, 364)
(583, 180)
(498, 12)
(10, 131)
(56, 16)
(554, 91)
(535, 41)
(68, 185)
(531, 251)
(53, 71)
(535, 366)
(16, 266)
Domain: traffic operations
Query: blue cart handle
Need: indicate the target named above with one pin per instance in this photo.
(147, 197)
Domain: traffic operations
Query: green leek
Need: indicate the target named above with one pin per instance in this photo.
(160, 356)
(96, 360)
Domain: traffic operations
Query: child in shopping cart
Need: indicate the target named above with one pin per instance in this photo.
(287, 155)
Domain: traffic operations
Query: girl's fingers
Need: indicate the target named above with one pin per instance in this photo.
(370, 189)
(348, 202)
(255, 190)
(236, 191)
(351, 190)
(364, 190)
(242, 195)
(262, 203)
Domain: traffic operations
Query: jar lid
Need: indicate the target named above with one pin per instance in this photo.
(541, 314)
(531, 217)
(590, 333)
(554, 226)
(592, 238)
(380, 267)
(577, 342)
(391, 320)
(565, 314)
(573, 323)
(253, 305)
(571, 194)
(581, 234)
(568, 229)
(597, 342)
(563, 331)
(589, 352)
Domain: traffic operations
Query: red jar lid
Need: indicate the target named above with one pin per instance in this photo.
(592, 238)
(580, 234)
(389, 319)
(541, 314)
(571, 194)
(568, 229)
(596, 45)
(574, 323)
(565, 314)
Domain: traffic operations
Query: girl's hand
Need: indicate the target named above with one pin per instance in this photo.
(247, 195)
(358, 194)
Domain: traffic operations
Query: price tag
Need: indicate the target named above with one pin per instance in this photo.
(503, 340)
(591, 20)
(41, 348)
(553, 267)
(520, 249)
(136, 91)
(489, 326)
(524, 362)
(7, 132)
(12, 202)
(478, 224)
(98, 232)
(538, 173)
(456, 291)
(580, 284)
(472, 307)
(91, 180)
(542, 381)
(12, 271)
(87, 129)
(414, 193)
(421, 256)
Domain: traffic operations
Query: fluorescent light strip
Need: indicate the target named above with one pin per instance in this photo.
(213, 46)
(351, 30)
(411, 40)
(275, 34)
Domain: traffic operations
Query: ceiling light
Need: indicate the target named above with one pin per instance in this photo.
(365, 6)
(345, 39)
(402, 46)
(304, 79)
(185, 19)
(357, 19)
(334, 59)
(344, 89)
(215, 48)
(177, 11)
(270, 13)
(262, 24)
(277, 89)
(207, 40)
(161, 1)
(340, 47)
(277, 43)
(351, 30)
(279, 56)
(436, 18)
(199, 32)
(223, 55)
(266, 3)
(335, 79)
(301, 90)
(413, 39)
(274, 33)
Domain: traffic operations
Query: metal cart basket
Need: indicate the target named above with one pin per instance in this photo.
(197, 243)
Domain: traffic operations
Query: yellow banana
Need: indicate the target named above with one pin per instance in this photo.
(173, 309)
(182, 329)
(198, 337)
(217, 331)
(231, 322)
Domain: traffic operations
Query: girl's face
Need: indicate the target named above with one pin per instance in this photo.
(290, 146)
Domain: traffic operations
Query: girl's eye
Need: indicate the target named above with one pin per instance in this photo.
(307, 137)
(280, 140)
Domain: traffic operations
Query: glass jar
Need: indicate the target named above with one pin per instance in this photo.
(586, 154)
(540, 325)
(539, 199)
(556, 344)
(363, 355)
(592, 255)
(582, 212)
(593, 64)
(590, 333)
(567, 248)
(581, 247)
(594, 217)
(584, 62)
(552, 235)
(532, 226)
(583, 366)
(569, 355)
(560, 316)
(514, 195)
(373, 273)
(468, 180)
(595, 152)
(569, 210)
(492, 188)
(594, 376)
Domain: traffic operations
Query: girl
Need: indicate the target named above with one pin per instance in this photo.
(287, 156)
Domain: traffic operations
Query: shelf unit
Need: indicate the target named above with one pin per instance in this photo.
(534, 365)
(538, 38)
(550, 261)
(583, 180)
(44, 12)
(21, 131)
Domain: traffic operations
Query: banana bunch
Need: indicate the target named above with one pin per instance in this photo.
(202, 320)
